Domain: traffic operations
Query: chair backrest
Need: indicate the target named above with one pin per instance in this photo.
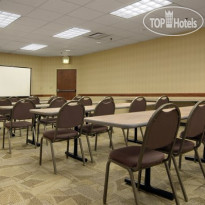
(51, 99)
(86, 100)
(70, 115)
(195, 125)
(4, 102)
(21, 110)
(34, 99)
(14, 99)
(77, 97)
(57, 102)
(161, 101)
(105, 107)
(161, 130)
(138, 104)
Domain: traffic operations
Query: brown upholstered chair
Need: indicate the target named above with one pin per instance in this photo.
(19, 119)
(51, 99)
(194, 131)
(56, 102)
(137, 105)
(77, 97)
(105, 107)
(161, 131)
(70, 116)
(85, 101)
(35, 99)
(161, 101)
(14, 99)
(4, 114)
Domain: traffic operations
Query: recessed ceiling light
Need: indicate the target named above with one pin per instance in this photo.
(33, 47)
(6, 18)
(68, 50)
(71, 33)
(140, 7)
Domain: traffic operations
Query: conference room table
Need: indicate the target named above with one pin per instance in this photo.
(46, 112)
(10, 107)
(134, 120)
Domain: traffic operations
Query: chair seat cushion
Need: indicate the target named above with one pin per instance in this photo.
(63, 134)
(3, 118)
(195, 138)
(187, 146)
(18, 124)
(49, 120)
(128, 156)
(95, 129)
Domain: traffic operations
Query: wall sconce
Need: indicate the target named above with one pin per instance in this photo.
(66, 60)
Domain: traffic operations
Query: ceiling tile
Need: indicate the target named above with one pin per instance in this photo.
(27, 21)
(69, 21)
(15, 7)
(33, 3)
(85, 13)
(107, 19)
(59, 6)
(44, 15)
(106, 6)
(79, 2)
(190, 3)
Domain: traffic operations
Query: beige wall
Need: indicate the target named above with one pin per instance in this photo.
(168, 64)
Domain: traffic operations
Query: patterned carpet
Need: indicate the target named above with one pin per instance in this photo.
(23, 181)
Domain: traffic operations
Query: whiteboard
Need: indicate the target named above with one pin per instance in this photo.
(15, 81)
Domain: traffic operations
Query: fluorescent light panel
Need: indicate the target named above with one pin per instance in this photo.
(140, 7)
(71, 33)
(6, 18)
(33, 47)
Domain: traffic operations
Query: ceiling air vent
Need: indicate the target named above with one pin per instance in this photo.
(98, 35)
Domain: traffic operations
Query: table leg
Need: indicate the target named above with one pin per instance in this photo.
(32, 141)
(135, 140)
(148, 188)
(75, 153)
(193, 158)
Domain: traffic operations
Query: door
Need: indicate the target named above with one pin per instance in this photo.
(66, 83)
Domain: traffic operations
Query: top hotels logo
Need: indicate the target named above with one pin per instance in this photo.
(173, 21)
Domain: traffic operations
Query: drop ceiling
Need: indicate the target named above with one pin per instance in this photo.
(41, 19)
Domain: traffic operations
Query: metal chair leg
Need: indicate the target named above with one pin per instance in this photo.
(106, 181)
(38, 129)
(67, 148)
(9, 139)
(125, 137)
(139, 179)
(172, 184)
(141, 132)
(3, 137)
(199, 160)
(82, 152)
(96, 141)
(27, 135)
(41, 149)
(179, 178)
(110, 136)
(53, 158)
(34, 136)
(133, 186)
(180, 161)
(89, 148)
